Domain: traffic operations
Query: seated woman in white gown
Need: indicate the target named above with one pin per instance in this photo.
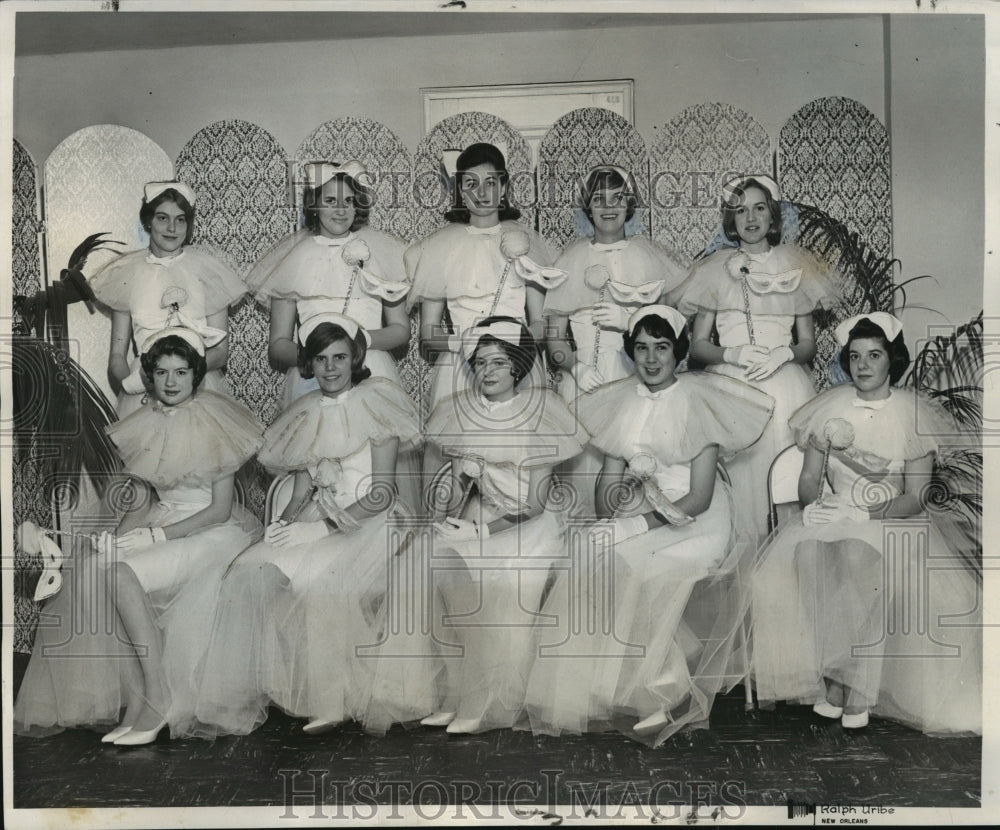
(186, 445)
(635, 645)
(492, 556)
(861, 606)
(302, 618)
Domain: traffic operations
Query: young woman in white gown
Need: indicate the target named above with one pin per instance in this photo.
(860, 605)
(643, 638)
(760, 298)
(337, 263)
(301, 616)
(186, 446)
(492, 556)
(170, 283)
(608, 278)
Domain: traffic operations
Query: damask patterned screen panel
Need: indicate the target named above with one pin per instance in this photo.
(26, 264)
(578, 141)
(239, 172)
(93, 183)
(692, 155)
(384, 156)
(834, 153)
(27, 485)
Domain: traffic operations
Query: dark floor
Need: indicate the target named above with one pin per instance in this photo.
(756, 759)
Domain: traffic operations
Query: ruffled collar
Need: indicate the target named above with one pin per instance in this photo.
(643, 391)
(165, 261)
(493, 230)
(331, 242)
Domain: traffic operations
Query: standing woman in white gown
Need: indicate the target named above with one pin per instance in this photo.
(760, 299)
(170, 283)
(640, 642)
(337, 263)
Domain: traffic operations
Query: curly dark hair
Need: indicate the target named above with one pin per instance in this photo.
(178, 346)
(522, 356)
(899, 355)
(656, 326)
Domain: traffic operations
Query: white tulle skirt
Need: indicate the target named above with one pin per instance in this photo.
(315, 629)
(884, 608)
(488, 595)
(648, 625)
(790, 387)
(82, 666)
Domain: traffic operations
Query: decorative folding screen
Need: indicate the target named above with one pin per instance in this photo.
(691, 156)
(240, 175)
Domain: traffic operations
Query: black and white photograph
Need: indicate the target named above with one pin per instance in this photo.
(477, 412)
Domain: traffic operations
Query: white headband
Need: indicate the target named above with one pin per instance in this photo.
(346, 323)
(671, 315)
(189, 336)
(627, 178)
(501, 330)
(765, 181)
(890, 326)
(153, 189)
(318, 173)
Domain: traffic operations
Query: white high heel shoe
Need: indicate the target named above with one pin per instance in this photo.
(438, 719)
(147, 736)
(320, 725)
(652, 723)
(115, 734)
(463, 726)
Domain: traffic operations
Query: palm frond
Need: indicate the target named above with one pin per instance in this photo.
(949, 369)
(57, 405)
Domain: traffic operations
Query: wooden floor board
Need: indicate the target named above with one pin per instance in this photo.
(763, 758)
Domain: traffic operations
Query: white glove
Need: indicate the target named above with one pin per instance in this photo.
(461, 530)
(586, 377)
(297, 533)
(822, 513)
(135, 383)
(610, 315)
(764, 368)
(140, 537)
(625, 527)
(273, 528)
(743, 356)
